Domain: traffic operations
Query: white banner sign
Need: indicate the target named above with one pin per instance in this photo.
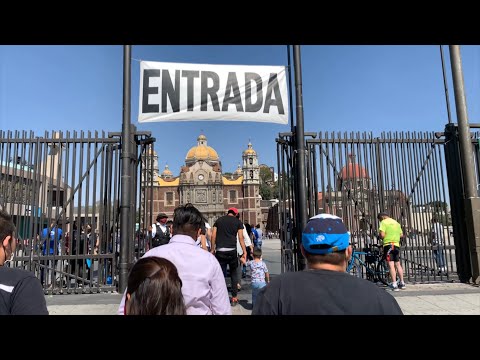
(186, 92)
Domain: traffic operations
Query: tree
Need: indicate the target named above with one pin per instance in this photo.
(265, 191)
(265, 175)
(438, 205)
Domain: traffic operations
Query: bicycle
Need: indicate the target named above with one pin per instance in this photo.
(376, 268)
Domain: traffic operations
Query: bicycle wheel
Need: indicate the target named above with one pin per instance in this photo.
(370, 272)
(355, 269)
(383, 272)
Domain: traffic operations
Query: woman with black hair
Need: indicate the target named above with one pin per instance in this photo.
(154, 288)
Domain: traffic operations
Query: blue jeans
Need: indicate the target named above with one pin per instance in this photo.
(439, 257)
(256, 286)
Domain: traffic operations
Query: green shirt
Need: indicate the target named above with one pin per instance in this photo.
(392, 230)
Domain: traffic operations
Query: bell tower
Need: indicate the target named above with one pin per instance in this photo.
(251, 186)
(251, 170)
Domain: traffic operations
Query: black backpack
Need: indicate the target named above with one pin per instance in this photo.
(160, 238)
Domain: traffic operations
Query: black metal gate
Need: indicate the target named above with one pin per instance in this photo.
(63, 192)
(356, 176)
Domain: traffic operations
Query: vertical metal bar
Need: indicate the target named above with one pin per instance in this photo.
(423, 188)
(102, 231)
(402, 171)
(290, 88)
(126, 176)
(95, 220)
(445, 86)
(323, 173)
(87, 213)
(437, 175)
(77, 220)
(420, 202)
(381, 192)
(59, 242)
(66, 211)
(280, 213)
(315, 178)
(282, 228)
(116, 210)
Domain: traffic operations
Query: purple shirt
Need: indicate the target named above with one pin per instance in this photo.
(203, 284)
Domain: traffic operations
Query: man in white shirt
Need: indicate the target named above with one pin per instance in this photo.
(248, 247)
(160, 231)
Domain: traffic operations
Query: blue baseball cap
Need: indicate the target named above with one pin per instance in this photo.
(325, 234)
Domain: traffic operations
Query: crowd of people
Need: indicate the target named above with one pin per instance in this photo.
(185, 270)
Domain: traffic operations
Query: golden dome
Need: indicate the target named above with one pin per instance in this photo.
(167, 171)
(202, 151)
(249, 151)
(239, 170)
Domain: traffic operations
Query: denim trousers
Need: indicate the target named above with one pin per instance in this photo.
(439, 257)
(256, 287)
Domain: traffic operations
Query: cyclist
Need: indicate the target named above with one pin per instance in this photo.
(390, 232)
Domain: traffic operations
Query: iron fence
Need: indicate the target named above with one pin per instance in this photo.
(357, 175)
(63, 192)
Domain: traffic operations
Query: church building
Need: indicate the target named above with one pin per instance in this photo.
(202, 183)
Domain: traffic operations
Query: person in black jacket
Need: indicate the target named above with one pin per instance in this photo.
(20, 291)
(324, 288)
(160, 231)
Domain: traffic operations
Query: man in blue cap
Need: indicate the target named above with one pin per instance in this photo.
(324, 288)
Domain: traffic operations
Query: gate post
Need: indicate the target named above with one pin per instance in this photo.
(457, 203)
(126, 176)
(301, 180)
(472, 201)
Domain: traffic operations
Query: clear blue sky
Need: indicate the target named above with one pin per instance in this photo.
(345, 88)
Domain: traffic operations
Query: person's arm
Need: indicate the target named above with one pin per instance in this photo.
(242, 245)
(28, 298)
(97, 242)
(203, 242)
(267, 274)
(220, 303)
(154, 230)
(121, 307)
(248, 243)
(214, 238)
(381, 231)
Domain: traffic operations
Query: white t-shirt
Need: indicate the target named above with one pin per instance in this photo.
(207, 240)
(247, 241)
(437, 233)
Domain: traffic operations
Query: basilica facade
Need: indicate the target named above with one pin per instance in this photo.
(202, 183)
